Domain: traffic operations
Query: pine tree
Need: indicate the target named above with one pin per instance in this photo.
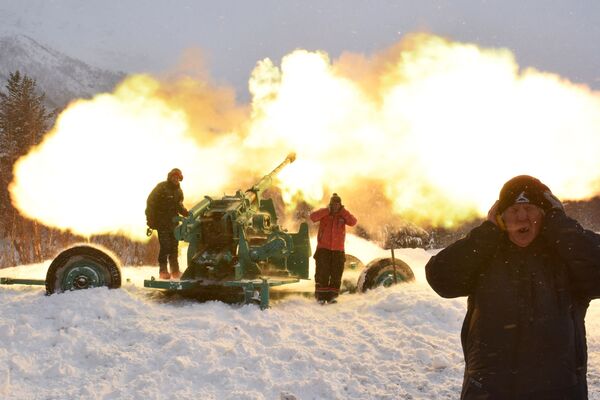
(23, 117)
(23, 121)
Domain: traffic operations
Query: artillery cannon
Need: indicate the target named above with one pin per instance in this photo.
(236, 248)
(236, 253)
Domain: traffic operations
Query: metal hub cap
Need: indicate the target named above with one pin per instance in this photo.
(81, 282)
(83, 276)
(387, 279)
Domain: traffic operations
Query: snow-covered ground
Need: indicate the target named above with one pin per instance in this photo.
(135, 343)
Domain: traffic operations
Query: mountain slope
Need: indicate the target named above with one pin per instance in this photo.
(61, 77)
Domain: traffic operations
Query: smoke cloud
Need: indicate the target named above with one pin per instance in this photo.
(424, 132)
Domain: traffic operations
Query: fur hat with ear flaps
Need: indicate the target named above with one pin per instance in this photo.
(523, 189)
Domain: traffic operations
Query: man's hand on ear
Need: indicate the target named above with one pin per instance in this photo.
(494, 217)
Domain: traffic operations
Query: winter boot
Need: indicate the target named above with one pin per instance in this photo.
(175, 275)
(174, 263)
(163, 273)
(333, 295)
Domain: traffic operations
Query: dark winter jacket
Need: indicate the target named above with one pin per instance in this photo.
(164, 203)
(332, 228)
(524, 334)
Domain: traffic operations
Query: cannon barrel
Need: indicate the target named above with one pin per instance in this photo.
(252, 193)
(236, 241)
(185, 230)
(266, 181)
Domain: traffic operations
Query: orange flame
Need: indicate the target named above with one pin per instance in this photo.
(428, 130)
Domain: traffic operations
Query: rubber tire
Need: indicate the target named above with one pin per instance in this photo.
(376, 268)
(349, 276)
(353, 259)
(100, 259)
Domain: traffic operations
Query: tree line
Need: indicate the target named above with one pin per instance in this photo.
(24, 120)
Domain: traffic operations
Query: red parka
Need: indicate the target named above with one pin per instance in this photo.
(332, 228)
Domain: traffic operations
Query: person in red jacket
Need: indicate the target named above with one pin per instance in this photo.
(330, 256)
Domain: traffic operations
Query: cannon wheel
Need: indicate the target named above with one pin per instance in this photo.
(380, 272)
(349, 277)
(353, 259)
(82, 267)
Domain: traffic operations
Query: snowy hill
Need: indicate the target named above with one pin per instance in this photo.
(134, 343)
(62, 78)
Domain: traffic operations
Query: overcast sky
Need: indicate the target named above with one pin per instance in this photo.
(150, 35)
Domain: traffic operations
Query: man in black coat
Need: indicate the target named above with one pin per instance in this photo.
(164, 203)
(529, 272)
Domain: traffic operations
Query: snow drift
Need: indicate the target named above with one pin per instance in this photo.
(136, 343)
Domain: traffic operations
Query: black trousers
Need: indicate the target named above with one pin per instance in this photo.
(328, 273)
(169, 249)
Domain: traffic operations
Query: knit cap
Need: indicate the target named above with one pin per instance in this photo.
(335, 198)
(523, 189)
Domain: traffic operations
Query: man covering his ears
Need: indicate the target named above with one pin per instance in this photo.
(330, 256)
(529, 272)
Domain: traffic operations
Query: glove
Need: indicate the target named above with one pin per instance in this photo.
(492, 213)
(339, 211)
(553, 201)
(494, 217)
